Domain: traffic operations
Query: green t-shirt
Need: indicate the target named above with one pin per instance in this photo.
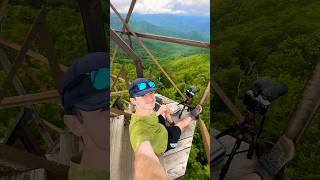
(148, 128)
(78, 172)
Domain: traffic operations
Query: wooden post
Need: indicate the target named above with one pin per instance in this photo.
(303, 113)
(206, 138)
(93, 22)
(116, 141)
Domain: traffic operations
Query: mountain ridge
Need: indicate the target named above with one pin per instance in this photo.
(187, 27)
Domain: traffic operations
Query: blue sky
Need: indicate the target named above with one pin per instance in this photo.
(185, 7)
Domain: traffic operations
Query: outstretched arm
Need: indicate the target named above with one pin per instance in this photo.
(147, 164)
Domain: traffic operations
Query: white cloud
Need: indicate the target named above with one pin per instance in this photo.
(190, 7)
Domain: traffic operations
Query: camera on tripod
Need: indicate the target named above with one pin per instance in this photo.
(263, 92)
(257, 100)
(190, 92)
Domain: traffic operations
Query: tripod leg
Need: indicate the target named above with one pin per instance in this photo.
(184, 106)
(254, 134)
(225, 168)
(252, 146)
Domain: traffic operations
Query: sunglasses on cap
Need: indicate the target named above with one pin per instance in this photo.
(143, 85)
(99, 79)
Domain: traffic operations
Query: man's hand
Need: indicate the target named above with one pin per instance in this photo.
(163, 110)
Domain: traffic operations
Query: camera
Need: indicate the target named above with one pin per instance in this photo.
(192, 91)
(263, 92)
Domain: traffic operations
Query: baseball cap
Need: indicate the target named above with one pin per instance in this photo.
(141, 86)
(86, 84)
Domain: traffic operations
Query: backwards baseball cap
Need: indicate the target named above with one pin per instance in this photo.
(86, 84)
(141, 86)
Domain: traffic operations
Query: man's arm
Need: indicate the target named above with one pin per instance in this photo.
(147, 164)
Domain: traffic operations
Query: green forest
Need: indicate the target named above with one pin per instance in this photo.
(280, 39)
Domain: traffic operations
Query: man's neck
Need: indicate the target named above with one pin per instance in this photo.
(95, 158)
(143, 112)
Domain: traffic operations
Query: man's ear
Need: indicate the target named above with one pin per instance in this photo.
(73, 124)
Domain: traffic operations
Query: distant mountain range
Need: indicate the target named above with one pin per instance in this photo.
(180, 26)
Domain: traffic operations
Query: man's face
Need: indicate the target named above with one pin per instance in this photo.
(145, 102)
(96, 127)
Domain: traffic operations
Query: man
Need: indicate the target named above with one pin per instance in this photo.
(85, 97)
(147, 125)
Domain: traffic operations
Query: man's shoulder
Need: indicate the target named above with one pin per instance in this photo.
(135, 124)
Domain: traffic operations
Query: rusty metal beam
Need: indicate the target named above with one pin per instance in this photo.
(19, 130)
(19, 160)
(93, 22)
(227, 101)
(47, 44)
(169, 39)
(114, 77)
(119, 93)
(42, 128)
(130, 41)
(133, 2)
(117, 77)
(29, 53)
(19, 59)
(6, 64)
(51, 126)
(24, 115)
(124, 75)
(29, 141)
(33, 77)
(119, 100)
(136, 60)
(52, 95)
(16, 101)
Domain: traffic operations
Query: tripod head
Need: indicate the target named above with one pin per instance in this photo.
(190, 92)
